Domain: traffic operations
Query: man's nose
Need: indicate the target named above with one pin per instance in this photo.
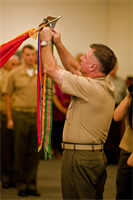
(81, 58)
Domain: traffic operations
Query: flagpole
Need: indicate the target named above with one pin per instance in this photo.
(46, 24)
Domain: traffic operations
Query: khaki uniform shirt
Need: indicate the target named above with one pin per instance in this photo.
(127, 139)
(23, 88)
(91, 110)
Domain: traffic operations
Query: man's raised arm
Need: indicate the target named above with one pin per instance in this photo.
(67, 59)
(49, 64)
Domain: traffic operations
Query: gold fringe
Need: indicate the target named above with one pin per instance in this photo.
(33, 33)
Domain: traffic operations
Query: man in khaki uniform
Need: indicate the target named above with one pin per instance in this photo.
(89, 114)
(22, 85)
(7, 156)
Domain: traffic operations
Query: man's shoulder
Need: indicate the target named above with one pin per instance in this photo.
(16, 70)
(3, 71)
(106, 84)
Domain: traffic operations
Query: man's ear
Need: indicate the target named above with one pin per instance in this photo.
(93, 67)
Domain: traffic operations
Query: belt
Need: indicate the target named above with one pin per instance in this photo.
(28, 110)
(78, 146)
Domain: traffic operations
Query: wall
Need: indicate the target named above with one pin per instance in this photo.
(119, 34)
(83, 22)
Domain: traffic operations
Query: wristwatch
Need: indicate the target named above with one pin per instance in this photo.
(44, 43)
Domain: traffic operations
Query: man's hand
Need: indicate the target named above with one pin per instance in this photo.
(128, 94)
(10, 124)
(56, 37)
(46, 34)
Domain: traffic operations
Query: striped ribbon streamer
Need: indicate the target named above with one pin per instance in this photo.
(48, 117)
(39, 96)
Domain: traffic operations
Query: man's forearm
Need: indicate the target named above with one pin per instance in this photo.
(68, 60)
(50, 66)
(119, 112)
(8, 106)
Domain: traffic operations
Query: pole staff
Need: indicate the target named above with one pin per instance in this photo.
(48, 23)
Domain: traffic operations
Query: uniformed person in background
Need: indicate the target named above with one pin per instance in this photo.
(22, 85)
(7, 156)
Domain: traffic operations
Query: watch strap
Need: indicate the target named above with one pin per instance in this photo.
(44, 43)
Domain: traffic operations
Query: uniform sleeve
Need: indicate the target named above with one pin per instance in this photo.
(77, 86)
(9, 85)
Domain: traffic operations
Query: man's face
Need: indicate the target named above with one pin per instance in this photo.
(29, 57)
(86, 62)
(13, 63)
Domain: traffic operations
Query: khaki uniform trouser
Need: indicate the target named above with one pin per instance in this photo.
(25, 149)
(7, 155)
(83, 174)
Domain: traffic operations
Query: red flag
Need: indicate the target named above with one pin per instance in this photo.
(9, 48)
